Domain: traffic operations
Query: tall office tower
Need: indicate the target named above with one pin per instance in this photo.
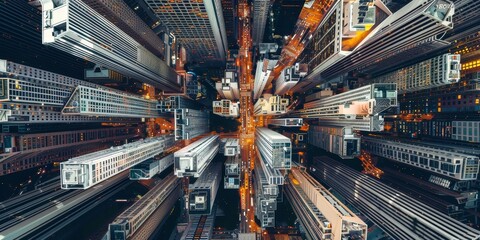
(226, 108)
(228, 87)
(190, 123)
(466, 19)
(401, 37)
(434, 72)
(193, 159)
(456, 165)
(461, 98)
(290, 77)
(314, 204)
(434, 17)
(229, 8)
(260, 13)
(337, 35)
(38, 96)
(89, 101)
(85, 171)
(465, 35)
(262, 73)
(202, 193)
(448, 195)
(29, 50)
(76, 28)
(342, 141)
(120, 14)
(359, 108)
(274, 148)
(197, 26)
(387, 207)
(232, 172)
(153, 208)
(270, 105)
(172, 103)
(266, 194)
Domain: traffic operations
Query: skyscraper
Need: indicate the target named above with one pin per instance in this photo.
(198, 26)
(260, 13)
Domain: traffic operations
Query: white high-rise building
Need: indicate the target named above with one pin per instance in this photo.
(290, 77)
(76, 28)
(433, 72)
(262, 73)
(89, 101)
(411, 31)
(193, 159)
(228, 88)
(270, 105)
(45, 97)
(286, 122)
(274, 148)
(85, 171)
(359, 108)
(226, 108)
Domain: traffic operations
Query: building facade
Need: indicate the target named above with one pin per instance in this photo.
(270, 105)
(379, 202)
(455, 165)
(314, 204)
(262, 74)
(190, 123)
(74, 27)
(260, 14)
(360, 108)
(202, 193)
(290, 77)
(88, 170)
(197, 26)
(226, 108)
(433, 72)
(342, 141)
(466, 131)
(193, 159)
(274, 148)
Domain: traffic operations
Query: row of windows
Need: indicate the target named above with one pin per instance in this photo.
(29, 143)
(44, 158)
(27, 73)
(116, 98)
(428, 161)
